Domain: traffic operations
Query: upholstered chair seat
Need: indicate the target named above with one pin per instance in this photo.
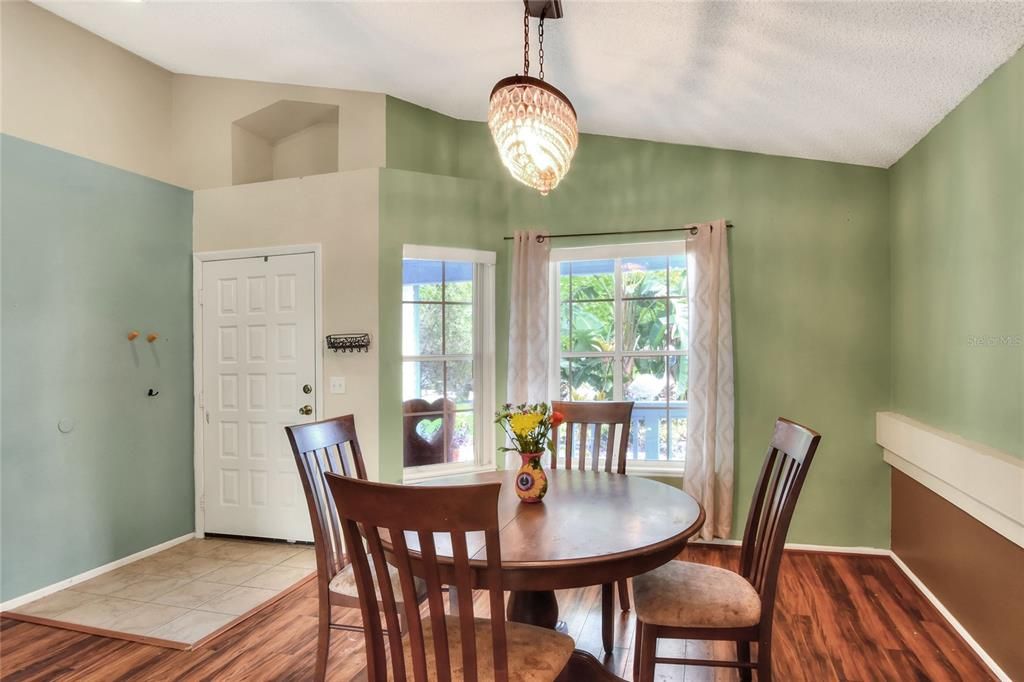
(685, 595)
(534, 654)
(345, 583)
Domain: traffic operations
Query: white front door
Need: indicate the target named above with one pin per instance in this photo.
(259, 360)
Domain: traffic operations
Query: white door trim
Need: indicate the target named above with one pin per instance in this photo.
(198, 258)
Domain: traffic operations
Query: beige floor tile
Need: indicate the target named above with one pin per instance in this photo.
(193, 594)
(206, 546)
(234, 551)
(304, 559)
(192, 626)
(238, 600)
(53, 605)
(180, 552)
(194, 567)
(145, 618)
(273, 554)
(100, 612)
(158, 565)
(278, 577)
(150, 587)
(236, 573)
(110, 583)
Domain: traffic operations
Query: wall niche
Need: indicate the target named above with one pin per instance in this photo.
(287, 139)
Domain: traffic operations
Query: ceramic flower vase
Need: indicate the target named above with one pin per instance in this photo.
(531, 481)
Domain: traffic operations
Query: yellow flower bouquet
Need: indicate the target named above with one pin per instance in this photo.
(529, 427)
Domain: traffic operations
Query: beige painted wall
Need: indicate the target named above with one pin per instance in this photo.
(310, 151)
(204, 109)
(339, 211)
(66, 88)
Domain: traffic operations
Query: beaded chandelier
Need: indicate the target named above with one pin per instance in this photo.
(533, 123)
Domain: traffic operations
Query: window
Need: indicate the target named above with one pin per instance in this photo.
(447, 360)
(622, 320)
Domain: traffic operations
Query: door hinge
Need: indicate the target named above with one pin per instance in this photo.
(202, 502)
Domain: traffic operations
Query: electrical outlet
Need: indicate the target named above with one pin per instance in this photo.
(337, 384)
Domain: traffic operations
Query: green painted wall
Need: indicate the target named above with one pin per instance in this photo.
(816, 353)
(438, 210)
(957, 216)
(90, 252)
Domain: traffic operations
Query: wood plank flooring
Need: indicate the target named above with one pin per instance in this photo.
(840, 617)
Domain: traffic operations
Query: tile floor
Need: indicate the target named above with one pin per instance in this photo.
(181, 594)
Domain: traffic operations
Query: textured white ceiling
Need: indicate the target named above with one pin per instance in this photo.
(858, 82)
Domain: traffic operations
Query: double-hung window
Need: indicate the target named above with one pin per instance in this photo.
(447, 360)
(622, 319)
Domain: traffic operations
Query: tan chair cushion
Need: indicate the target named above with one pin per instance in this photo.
(345, 583)
(686, 595)
(534, 654)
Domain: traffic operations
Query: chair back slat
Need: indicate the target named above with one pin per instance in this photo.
(464, 593)
(435, 602)
(376, 656)
(415, 626)
(389, 600)
(775, 496)
(442, 515)
(496, 598)
(320, 447)
(596, 420)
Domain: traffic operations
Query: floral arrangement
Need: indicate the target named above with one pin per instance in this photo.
(528, 426)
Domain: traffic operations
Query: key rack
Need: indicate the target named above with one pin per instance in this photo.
(349, 343)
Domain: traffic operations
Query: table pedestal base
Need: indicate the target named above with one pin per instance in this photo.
(541, 609)
(534, 608)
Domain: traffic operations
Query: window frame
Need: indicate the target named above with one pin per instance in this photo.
(483, 357)
(615, 252)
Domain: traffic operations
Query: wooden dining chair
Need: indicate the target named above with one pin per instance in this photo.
(422, 450)
(683, 600)
(610, 422)
(431, 532)
(320, 447)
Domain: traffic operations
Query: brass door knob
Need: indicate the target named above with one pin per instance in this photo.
(306, 409)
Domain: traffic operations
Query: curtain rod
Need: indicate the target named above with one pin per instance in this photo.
(691, 230)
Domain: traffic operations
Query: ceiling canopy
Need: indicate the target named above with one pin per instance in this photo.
(857, 82)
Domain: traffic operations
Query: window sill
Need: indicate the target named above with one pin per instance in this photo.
(659, 472)
(431, 472)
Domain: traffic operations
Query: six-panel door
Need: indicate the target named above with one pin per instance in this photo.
(258, 364)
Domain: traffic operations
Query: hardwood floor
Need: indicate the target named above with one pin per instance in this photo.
(840, 617)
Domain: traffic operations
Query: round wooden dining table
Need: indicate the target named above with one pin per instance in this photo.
(592, 528)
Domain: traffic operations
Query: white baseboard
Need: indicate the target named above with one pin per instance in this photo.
(830, 549)
(941, 608)
(92, 573)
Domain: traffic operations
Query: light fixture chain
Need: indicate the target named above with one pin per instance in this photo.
(540, 48)
(526, 41)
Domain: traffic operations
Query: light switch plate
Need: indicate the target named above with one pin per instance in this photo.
(337, 384)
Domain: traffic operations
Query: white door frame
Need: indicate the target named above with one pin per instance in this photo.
(198, 258)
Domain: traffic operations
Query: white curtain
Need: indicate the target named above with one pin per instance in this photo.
(709, 442)
(528, 348)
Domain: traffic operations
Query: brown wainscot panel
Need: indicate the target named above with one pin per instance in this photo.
(975, 572)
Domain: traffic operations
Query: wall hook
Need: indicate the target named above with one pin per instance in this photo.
(152, 336)
(132, 335)
(152, 393)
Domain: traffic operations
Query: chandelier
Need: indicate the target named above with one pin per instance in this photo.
(532, 122)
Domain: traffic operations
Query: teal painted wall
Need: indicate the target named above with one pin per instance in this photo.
(810, 283)
(957, 216)
(90, 252)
